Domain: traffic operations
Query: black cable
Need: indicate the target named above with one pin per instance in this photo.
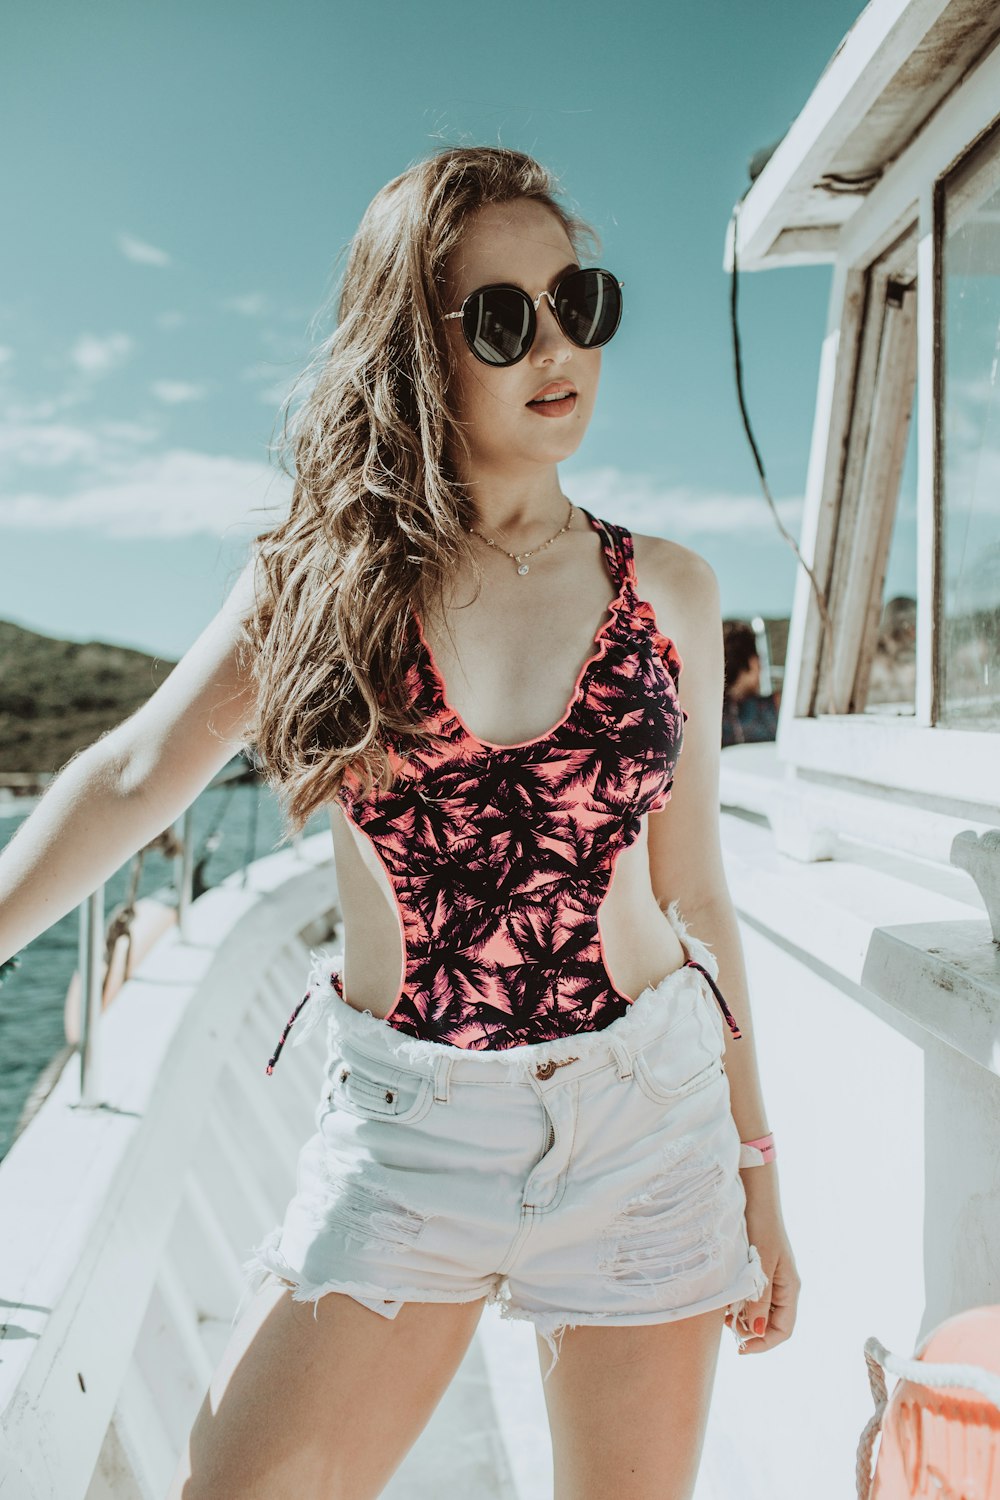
(741, 398)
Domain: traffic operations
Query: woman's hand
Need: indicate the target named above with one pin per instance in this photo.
(766, 1229)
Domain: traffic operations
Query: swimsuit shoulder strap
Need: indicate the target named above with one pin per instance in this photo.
(618, 549)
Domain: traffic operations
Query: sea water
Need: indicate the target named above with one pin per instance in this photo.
(32, 997)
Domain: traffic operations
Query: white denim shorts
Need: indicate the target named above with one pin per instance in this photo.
(589, 1180)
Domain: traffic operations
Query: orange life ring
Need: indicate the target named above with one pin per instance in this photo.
(942, 1441)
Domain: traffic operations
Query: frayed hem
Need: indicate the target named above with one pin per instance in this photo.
(267, 1263)
(551, 1327)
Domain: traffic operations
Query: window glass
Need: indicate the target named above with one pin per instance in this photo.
(969, 635)
(867, 661)
(892, 678)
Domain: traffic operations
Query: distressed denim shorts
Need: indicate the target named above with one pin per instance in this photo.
(588, 1180)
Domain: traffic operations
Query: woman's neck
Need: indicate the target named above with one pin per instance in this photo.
(519, 512)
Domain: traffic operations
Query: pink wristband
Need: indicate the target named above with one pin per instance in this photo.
(755, 1153)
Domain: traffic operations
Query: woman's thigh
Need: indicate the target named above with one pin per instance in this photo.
(303, 1407)
(628, 1408)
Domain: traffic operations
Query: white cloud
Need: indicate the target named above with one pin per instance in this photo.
(971, 479)
(174, 391)
(47, 445)
(129, 432)
(249, 305)
(171, 494)
(142, 253)
(95, 356)
(40, 411)
(28, 442)
(171, 318)
(657, 508)
(180, 492)
(6, 354)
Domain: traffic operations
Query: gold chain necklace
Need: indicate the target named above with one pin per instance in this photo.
(522, 567)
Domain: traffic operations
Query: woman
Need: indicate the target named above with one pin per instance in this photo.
(426, 647)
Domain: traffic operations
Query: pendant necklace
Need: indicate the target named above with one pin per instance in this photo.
(516, 557)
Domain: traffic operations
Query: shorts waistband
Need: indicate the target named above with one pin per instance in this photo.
(647, 1017)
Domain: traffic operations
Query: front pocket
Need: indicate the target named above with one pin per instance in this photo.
(653, 1086)
(681, 1061)
(376, 1090)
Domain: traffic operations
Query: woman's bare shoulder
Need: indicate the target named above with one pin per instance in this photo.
(669, 573)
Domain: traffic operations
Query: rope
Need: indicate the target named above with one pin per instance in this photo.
(170, 846)
(818, 592)
(120, 924)
(249, 776)
(918, 1372)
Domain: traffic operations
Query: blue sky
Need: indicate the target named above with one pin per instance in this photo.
(180, 180)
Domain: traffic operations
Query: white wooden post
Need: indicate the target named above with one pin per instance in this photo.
(91, 942)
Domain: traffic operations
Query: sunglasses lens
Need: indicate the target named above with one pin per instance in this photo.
(590, 307)
(498, 325)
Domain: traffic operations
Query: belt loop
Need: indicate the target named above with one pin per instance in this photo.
(442, 1077)
(623, 1059)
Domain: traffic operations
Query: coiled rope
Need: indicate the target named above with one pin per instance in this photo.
(918, 1372)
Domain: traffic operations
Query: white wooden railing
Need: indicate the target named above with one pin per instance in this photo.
(125, 1222)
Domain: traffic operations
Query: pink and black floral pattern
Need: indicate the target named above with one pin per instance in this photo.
(500, 856)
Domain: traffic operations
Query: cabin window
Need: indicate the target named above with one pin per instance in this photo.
(888, 672)
(893, 671)
(969, 464)
(867, 663)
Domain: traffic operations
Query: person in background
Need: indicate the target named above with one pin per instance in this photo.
(746, 714)
(893, 674)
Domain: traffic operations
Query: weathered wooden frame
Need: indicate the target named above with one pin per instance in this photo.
(910, 754)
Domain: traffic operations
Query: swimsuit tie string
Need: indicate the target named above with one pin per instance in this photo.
(337, 985)
(284, 1034)
(730, 1018)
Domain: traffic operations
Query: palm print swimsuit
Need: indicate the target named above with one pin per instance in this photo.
(499, 856)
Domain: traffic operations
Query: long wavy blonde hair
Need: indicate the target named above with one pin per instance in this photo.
(377, 521)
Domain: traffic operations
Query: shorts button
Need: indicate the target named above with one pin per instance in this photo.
(545, 1070)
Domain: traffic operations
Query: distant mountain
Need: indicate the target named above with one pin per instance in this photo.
(58, 696)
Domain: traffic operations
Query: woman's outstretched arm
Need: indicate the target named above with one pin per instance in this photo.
(116, 795)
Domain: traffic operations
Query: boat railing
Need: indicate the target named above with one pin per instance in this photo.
(133, 1218)
(94, 934)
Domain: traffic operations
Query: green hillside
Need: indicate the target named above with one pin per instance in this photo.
(58, 696)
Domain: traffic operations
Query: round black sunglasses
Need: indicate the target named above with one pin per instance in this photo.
(500, 321)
